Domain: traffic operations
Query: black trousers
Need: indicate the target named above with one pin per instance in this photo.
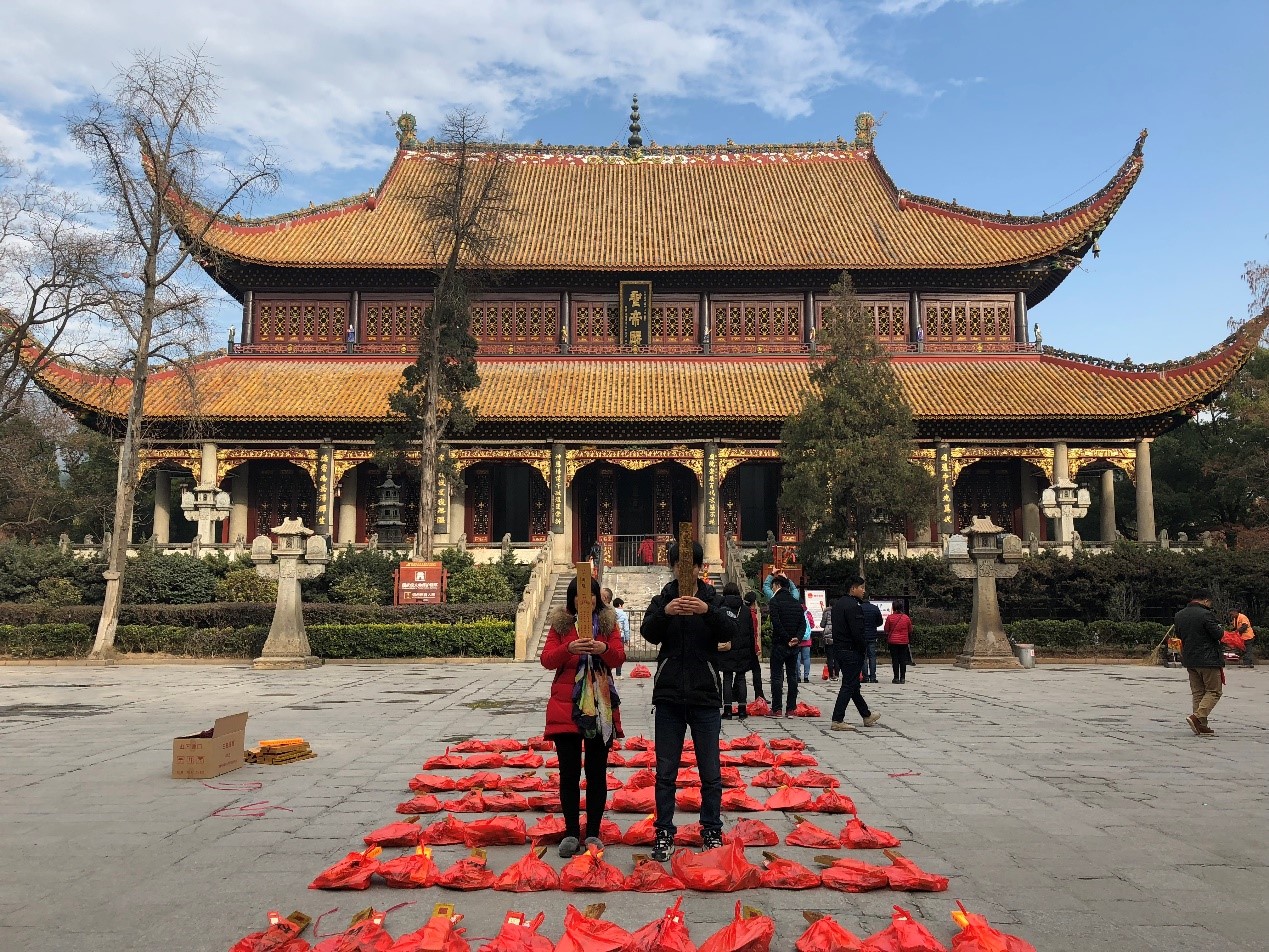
(756, 670)
(852, 663)
(899, 660)
(569, 749)
(782, 668)
(734, 689)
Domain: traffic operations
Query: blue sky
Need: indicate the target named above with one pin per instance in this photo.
(1026, 105)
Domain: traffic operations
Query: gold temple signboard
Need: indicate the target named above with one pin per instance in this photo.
(635, 299)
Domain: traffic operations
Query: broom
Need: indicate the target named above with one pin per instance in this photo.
(1156, 657)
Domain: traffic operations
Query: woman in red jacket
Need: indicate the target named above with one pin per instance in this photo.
(898, 629)
(564, 651)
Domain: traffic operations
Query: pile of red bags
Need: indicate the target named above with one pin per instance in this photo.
(411, 871)
(802, 709)
(505, 802)
(787, 743)
(904, 934)
(825, 934)
(637, 800)
(439, 934)
(588, 872)
(738, 800)
(641, 832)
(795, 758)
(748, 932)
(445, 761)
(724, 869)
(789, 798)
(667, 934)
(480, 780)
(851, 875)
(529, 874)
(815, 778)
(517, 934)
(433, 783)
(650, 876)
(471, 872)
(907, 876)
(857, 836)
(351, 872)
(977, 935)
(780, 873)
(422, 803)
(811, 836)
(750, 832)
(590, 933)
(403, 833)
(446, 832)
(495, 831)
(758, 708)
(282, 935)
(773, 777)
(365, 934)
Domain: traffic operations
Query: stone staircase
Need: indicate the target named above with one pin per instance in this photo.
(636, 584)
(559, 590)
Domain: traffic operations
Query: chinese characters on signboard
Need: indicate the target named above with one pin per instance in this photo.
(635, 299)
(420, 583)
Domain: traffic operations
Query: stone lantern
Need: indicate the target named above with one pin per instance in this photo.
(985, 553)
(1065, 502)
(207, 506)
(300, 555)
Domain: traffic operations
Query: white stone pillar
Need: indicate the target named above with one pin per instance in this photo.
(239, 507)
(348, 491)
(1108, 504)
(207, 465)
(1061, 473)
(162, 507)
(1145, 494)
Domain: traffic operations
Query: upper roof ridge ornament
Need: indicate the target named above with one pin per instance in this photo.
(635, 141)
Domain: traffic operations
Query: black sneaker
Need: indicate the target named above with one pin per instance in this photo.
(711, 839)
(663, 846)
(727, 715)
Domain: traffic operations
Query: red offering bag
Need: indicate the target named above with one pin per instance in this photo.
(411, 871)
(551, 782)
(826, 934)
(851, 875)
(757, 708)
(688, 799)
(730, 760)
(640, 671)
(528, 874)
(282, 935)
(351, 872)
(472, 746)
(750, 832)
(640, 800)
(480, 780)
(814, 778)
(473, 802)
(445, 761)
(519, 934)
(506, 744)
(609, 833)
(540, 743)
(738, 800)
(751, 741)
(641, 833)
(1232, 639)
(789, 798)
(446, 832)
(586, 932)
(528, 782)
(796, 758)
(468, 874)
(403, 833)
(787, 743)
(647, 777)
(724, 869)
(548, 830)
(527, 759)
(650, 876)
(781, 873)
(611, 781)
(904, 934)
(484, 761)
(802, 709)
(587, 872)
(688, 835)
(439, 934)
(505, 802)
(642, 758)
(977, 935)
(762, 757)
(496, 831)
(906, 876)
(433, 783)
(687, 777)
(808, 834)
(750, 932)
(615, 759)
(773, 777)
(545, 802)
(667, 934)
(366, 934)
(824, 674)
(830, 801)
(857, 836)
(732, 778)
(639, 742)
(422, 803)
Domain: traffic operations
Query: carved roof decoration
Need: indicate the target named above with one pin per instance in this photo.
(811, 206)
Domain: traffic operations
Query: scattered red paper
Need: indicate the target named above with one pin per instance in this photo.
(445, 761)
(724, 869)
(640, 671)
(282, 935)
(351, 872)
(641, 833)
(585, 934)
(411, 871)
(789, 798)
(802, 709)
(651, 877)
(781, 873)
(505, 802)
(480, 780)
(787, 743)
(688, 799)
(826, 934)
(857, 836)
(773, 777)
(403, 833)
(753, 934)
(667, 934)
(588, 872)
(422, 803)
(528, 782)
(467, 874)
(907, 876)
(809, 835)
(639, 800)
(439, 934)
(854, 876)
(688, 835)
(738, 800)
(473, 802)
(647, 777)
(750, 832)
(484, 761)
(814, 778)
(688, 777)
(830, 801)
(796, 758)
(757, 708)
(530, 873)
(639, 742)
(519, 934)
(977, 935)
(364, 935)
(762, 757)
(904, 934)
(446, 832)
(496, 831)
(540, 743)
(433, 783)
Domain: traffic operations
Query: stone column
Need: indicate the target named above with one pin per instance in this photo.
(711, 541)
(207, 529)
(1061, 473)
(943, 473)
(162, 506)
(347, 524)
(561, 517)
(1030, 505)
(1145, 494)
(1108, 504)
(239, 507)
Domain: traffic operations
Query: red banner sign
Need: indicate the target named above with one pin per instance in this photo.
(420, 583)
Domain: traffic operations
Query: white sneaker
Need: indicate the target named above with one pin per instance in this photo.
(871, 719)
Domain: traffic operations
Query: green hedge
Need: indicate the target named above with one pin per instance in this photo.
(487, 638)
(45, 641)
(247, 614)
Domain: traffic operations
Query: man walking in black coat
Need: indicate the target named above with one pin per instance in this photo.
(850, 641)
(788, 625)
(1203, 656)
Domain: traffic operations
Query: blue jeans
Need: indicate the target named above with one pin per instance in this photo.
(671, 722)
(804, 662)
(870, 666)
(852, 664)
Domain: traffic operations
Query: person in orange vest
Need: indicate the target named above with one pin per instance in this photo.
(1241, 626)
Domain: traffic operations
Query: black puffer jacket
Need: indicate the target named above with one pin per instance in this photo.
(850, 636)
(1200, 635)
(788, 621)
(740, 657)
(687, 664)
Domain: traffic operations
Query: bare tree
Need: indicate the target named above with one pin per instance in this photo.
(55, 278)
(147, 140)
(463, 213)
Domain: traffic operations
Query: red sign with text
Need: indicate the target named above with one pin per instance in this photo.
(420, 583)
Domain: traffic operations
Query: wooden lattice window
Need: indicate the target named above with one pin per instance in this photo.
(673, 322)
(393, 322)
(300, 321)
(746, 323)
(508, 326)
(963, 323)
(595, 322)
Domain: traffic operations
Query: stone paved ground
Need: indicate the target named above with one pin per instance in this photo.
(1069, 804)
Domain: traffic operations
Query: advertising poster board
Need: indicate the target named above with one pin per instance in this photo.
(816, 601)
(420, 583)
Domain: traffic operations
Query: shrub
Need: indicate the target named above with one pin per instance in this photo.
(246, 585)
(23, 567)
(1131, 637)
(58, 592)
(455, 560)
(372, 564)
(241, 614)
(1049, 633)
(486, 638)
(45, 641)
(480, 583)
(191, 642)
(168, 579)
(937, 641)
(357, 589)
(515, 572)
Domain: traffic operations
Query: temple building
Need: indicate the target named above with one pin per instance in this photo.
(650, 325)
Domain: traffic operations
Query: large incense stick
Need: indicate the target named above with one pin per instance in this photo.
(685, 568)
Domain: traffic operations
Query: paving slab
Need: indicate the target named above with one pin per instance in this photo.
(1069, 803)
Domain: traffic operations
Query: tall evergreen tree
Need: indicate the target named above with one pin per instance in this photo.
(848, 475)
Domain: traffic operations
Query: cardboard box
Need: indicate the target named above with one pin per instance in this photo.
(198, 757)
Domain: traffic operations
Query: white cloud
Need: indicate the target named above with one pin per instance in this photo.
(922, 7)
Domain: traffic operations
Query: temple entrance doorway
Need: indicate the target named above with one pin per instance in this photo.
(750, 502)
(632, 513)
(1007, 491)
(505, 498)
(278, 490)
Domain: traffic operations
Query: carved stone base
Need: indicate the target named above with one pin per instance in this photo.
(988, 663)
(265, 663)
